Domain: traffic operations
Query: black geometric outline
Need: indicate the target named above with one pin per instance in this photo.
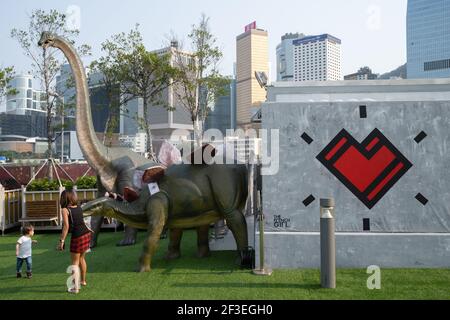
(363, 112)
(306, 138)
(361, 147)
(422, 135)
(308, 200)
(366, 224)
(421, 198)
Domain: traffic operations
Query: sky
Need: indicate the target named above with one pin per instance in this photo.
(373, 32)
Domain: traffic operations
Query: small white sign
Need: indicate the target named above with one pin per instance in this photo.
(153, 188)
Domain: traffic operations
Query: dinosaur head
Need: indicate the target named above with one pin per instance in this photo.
(47, 39)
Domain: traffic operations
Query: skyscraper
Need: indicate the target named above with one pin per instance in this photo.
(252, 54)
(285, 58)
(221, 116)
(317, 58)
(428, 37)
(26, 100)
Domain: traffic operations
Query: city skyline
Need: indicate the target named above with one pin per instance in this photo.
(376, 38)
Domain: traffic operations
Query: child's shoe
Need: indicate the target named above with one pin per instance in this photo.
(19, 275)
(29, 275)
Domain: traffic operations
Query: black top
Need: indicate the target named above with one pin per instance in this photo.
(76, 222)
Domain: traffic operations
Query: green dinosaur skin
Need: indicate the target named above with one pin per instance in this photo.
(190, 196)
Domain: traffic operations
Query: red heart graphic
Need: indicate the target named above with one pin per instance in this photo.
(368, 169)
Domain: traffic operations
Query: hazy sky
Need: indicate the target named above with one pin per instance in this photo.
(373, 32)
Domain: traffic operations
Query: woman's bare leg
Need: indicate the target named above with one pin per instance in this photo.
(83, 268)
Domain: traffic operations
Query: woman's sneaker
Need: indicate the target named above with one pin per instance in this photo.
(29, 275)
(19, 275)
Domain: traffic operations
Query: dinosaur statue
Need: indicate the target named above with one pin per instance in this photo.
(190, 196)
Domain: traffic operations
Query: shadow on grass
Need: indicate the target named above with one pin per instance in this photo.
(31, 289)
(249, 285)
(108, 258)
(8, 246)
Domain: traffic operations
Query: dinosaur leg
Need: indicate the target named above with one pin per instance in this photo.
(203, 241)
(129, 238)
(174, 244)
(157, 213)
(96, 223)
(238, 226)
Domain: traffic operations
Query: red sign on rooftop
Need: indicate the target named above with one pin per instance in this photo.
(250, 26)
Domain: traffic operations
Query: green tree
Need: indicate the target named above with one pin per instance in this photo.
(46, 62)
(142, 74)
(109, 82)
(199, 81)
(6, 75)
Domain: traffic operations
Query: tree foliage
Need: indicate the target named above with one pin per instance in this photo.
(46, 184)
(199, 80)
(109, 83)
(46, 62)
(6, 75)
(140, 74)
(86, 182)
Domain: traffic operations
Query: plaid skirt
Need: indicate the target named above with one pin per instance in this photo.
(80, 244)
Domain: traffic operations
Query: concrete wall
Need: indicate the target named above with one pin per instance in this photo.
(404, 232)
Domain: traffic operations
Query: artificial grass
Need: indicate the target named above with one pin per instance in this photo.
(111, 276)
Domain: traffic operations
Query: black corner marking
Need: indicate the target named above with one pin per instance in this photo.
(421, 199)
(363, 112)
(366, 224)
(307, 138)
(310, 199)
(418, 139)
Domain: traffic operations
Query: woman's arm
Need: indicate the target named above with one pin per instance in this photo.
(17, 249)
(65, 228)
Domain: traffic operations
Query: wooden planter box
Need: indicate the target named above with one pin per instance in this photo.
(42, 209)
(10, 208)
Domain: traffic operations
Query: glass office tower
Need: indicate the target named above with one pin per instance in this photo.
(428, 37)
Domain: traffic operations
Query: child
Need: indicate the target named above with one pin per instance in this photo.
(23, 250)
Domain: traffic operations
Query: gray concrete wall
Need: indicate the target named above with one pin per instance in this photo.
(293, 250)
(403, 231)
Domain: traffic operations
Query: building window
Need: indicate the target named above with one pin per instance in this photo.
(437, 65)
(30, 83)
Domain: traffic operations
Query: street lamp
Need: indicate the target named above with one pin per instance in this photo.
(327, 244)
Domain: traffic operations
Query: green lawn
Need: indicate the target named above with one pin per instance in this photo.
(111, 276)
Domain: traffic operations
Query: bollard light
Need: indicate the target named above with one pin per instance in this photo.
(327, 244)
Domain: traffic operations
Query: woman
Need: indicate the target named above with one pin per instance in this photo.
(72, 216)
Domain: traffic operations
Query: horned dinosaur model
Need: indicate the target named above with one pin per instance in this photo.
(189, 196)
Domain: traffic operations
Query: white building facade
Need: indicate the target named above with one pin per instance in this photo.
(137, 142)
(285, 59)
(317, 58)
(26, 100)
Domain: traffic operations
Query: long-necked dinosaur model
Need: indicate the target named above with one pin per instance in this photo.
(114, 166)
(189, 196)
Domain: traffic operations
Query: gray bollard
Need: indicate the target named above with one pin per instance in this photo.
(263, 270)
(327, 244)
